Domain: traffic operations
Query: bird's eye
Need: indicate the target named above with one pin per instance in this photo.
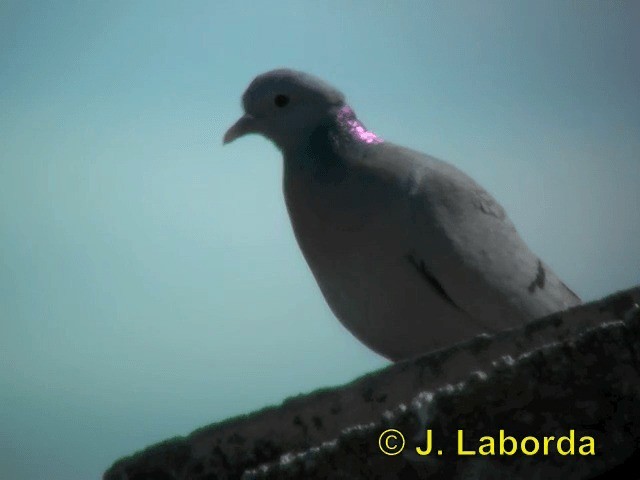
(281, 100)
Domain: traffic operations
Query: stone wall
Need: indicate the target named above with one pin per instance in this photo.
(577, 370)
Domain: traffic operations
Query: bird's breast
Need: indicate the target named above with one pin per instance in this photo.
(342, 220)
(347, 237)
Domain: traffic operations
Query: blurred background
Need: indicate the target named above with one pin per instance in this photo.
(150, 282)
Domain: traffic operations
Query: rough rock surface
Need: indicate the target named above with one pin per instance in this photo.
(577, 370)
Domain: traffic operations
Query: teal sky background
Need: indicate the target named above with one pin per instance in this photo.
(150, 282)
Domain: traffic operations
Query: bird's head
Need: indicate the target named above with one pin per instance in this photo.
(284, 105)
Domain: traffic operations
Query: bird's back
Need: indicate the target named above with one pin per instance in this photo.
(472, 245)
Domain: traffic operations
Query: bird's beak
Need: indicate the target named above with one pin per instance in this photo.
(244, 125)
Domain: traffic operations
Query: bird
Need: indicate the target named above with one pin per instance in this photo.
(411, 254)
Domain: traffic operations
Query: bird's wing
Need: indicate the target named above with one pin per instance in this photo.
(466, 245)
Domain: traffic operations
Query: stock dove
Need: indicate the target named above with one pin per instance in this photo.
(409, 252)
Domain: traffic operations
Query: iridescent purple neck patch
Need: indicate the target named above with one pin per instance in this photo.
(348, 119)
